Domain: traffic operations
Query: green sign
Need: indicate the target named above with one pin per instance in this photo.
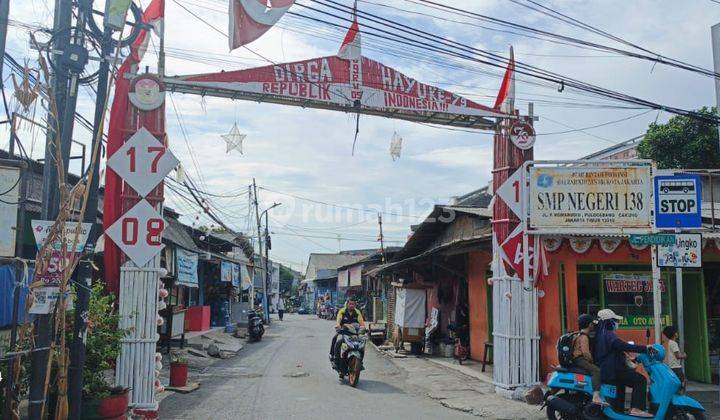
(652, 239)
(640, 322)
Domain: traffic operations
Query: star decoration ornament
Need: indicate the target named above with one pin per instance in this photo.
(234, 139)
(395, 146)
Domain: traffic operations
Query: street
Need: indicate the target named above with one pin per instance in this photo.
(259, 383)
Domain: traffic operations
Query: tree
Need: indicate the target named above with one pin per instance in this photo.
(682, 143)
(286, 279)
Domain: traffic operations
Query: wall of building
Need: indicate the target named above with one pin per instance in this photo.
(556, 316)
(478, 303)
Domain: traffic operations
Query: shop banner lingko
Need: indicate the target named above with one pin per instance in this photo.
(590, 197)
(686, 251)
(187, 268)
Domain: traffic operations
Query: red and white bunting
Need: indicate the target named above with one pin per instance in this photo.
(250, 19)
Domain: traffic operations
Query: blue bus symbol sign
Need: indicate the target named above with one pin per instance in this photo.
(678, 201)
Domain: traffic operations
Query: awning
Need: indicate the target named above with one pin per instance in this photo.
(463, 241)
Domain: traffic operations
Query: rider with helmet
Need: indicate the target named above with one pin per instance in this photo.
(350, 314)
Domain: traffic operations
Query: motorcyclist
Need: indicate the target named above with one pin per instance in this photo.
(350, 314)
(609, 354)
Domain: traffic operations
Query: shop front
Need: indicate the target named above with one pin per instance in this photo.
(588, 274)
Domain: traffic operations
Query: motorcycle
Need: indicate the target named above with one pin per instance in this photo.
(255, 328)
(352, 351)
(570, 395)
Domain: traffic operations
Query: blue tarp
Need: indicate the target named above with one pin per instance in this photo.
(7, 285)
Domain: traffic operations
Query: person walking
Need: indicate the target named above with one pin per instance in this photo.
(281, 307)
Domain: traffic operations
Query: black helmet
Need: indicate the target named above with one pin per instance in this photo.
(585, 320)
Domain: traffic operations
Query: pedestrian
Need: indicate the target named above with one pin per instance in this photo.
(673, 354)
(582, 357)
(281, 308)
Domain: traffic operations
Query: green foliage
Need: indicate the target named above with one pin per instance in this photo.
(102, 345)
(286, 278)
(178, 357)
(682, 142)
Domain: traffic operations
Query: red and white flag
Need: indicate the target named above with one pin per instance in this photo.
(249, 19)
(505, 101)
(350, 49)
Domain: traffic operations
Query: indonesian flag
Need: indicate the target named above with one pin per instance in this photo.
(249, 19)
(112, 206)
(350, 49)
(505, 101)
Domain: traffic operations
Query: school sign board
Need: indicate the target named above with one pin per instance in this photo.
(678, 201)
(590, 197)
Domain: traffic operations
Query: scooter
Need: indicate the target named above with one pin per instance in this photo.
(352, 353)
(570, 395)
(255, 328)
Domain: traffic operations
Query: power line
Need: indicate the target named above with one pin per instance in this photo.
(340, 206)
(490, 59)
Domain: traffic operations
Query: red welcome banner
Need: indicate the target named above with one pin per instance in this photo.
(334, 80)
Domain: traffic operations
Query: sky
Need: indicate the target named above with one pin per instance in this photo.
(302, 158)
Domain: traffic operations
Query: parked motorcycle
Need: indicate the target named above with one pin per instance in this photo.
(352, 352)
(570, 395)
(255, 328)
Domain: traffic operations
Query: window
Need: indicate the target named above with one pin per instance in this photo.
(626, 289)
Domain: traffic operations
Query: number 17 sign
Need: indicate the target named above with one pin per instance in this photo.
(142, 162)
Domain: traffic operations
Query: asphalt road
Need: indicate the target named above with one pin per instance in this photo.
(288, 376)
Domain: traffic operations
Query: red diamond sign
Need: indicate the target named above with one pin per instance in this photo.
(138, 233)
(143, 162)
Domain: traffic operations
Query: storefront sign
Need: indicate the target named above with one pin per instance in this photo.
(236, 275)
(42, 228)
(187, 267)
(50, 270)
(226, 271)
(678, 201)
(634, 322)
(652, 239)
(630, 283)
(590, 197)
(685, 251)
(45, 298)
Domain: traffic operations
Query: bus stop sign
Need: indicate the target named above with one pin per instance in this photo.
(678, 201)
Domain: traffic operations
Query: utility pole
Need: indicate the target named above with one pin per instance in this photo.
(85, 269)
(65, 106)
(266, 301)
(382, 242)
(259, 232)
(715, 34)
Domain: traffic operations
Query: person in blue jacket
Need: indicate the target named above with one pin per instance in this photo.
(609, 354)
